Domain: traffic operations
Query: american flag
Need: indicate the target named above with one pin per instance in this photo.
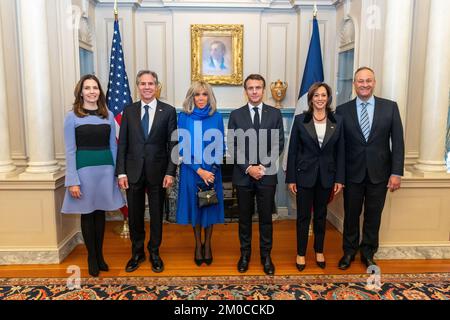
(118, 96)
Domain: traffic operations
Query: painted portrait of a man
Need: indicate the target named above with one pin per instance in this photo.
(216, 55)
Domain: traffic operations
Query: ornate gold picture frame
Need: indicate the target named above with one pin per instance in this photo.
(217, 53)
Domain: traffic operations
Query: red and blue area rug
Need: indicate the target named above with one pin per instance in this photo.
(430, 286)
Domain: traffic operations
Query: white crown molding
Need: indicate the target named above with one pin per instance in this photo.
(319, 3)
(85, 34)
(347, 35)
(205, 4)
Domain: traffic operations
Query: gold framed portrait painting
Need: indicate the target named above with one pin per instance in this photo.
(216, 53)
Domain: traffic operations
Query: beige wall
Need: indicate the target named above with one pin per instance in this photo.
(63, 67)
(8, 18)
(32, 229)
(418, 54)
(418, 215)
(275, 44)
(260, 30)
(369, 50)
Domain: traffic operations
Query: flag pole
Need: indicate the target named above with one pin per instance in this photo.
(313, 72)
(124, 229)
(315, 17)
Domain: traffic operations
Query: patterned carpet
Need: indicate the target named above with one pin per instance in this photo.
(432, 286)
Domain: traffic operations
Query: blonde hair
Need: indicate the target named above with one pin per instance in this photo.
(196, 87)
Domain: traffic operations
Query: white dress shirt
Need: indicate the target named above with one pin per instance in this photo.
(252, 112)
(151, 116)
(151, 112)
(252, 116)
(321, 128)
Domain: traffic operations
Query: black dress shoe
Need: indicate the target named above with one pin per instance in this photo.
(134, 263)
(345, 262)
(157, 263)
(300, 266)
(368, 261)
(209, 260)
(269, 268)
(102, 265)
(243, 264)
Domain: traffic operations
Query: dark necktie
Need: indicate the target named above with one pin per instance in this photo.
(256, 121)
(144, 122)
(256, 124)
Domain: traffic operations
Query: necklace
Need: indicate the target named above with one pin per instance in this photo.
(319, 119)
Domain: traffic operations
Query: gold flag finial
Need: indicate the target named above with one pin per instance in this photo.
(116, 12)
(315, 10)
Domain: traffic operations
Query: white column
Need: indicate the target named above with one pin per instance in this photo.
(436, 84)
(6, 164)
(36, 82)
(397, 48)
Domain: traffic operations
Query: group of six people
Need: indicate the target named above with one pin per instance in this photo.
(358, 148)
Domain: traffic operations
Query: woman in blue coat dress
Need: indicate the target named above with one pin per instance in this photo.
(201, 145)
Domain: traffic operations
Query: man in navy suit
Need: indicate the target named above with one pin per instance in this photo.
(256, 138)
(144, 164)
(371, 126)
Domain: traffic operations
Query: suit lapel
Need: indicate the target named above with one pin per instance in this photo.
(376, 116)
(311, 129)
(137, 115)
(264, 116)
(158, 111)
(354, 115)
(331, 128)
(247, 116)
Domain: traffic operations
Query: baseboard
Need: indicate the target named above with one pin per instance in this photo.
(41, 255)
(336, 221)
(405, 252)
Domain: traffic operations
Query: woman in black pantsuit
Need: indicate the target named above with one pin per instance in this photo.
(316, 167)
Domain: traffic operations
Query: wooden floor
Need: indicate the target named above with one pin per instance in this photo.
(177, 251)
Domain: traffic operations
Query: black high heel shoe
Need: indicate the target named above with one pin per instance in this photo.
(300, 266)
(198, 262)
(321, 264)
(210, 259)
(93, 267)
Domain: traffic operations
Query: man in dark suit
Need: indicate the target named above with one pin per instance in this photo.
(144, 165)
(255, 139)
(371, 125)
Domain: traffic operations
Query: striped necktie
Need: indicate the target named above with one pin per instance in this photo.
(364, 121)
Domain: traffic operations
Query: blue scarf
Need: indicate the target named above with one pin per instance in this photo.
(200, 114)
